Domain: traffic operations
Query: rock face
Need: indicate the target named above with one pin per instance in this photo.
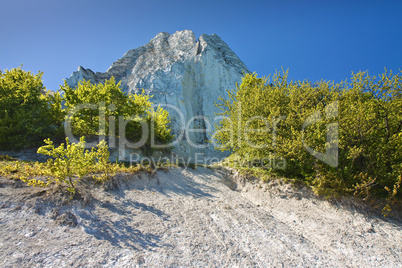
(185, 76)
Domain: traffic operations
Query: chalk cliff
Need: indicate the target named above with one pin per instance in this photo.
(185, 76)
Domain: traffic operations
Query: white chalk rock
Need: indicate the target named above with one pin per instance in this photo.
(185, 76)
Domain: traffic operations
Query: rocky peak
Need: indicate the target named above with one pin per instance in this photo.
(178, 70)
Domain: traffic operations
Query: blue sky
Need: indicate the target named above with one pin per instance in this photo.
(314, 39)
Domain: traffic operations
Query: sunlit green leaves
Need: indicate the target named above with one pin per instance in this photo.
(28, 113)
(70, 162)
(98, 109)
(274, 117)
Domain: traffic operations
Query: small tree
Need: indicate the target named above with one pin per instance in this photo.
(71, 162)
(28, 113)
(102, 104)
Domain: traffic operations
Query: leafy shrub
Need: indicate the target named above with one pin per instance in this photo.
(71, 162)
(106, 110)
(273, 118)
(28, 113)
(68, 165)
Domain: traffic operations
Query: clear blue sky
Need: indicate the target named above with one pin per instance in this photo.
(314, 39)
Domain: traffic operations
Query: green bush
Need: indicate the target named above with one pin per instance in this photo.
(28, 113)
(105, 110)
(71, 162)
(273, 118)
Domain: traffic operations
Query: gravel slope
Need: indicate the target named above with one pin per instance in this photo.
(181, 218)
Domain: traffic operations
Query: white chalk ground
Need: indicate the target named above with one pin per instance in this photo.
(187, 218)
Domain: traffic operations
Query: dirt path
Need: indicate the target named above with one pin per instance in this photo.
(191, 217)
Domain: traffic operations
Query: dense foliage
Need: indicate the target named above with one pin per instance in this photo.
(338, 138)
(28, 113)
(103, 109)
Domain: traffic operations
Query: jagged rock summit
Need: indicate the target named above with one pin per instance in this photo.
(185, 76)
